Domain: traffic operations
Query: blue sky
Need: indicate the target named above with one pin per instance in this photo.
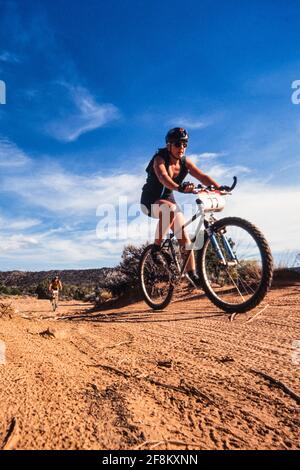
(92, 88)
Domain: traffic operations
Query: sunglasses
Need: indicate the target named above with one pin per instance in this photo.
(180, 144)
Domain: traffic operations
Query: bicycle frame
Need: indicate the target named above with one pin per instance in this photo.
(198, 240)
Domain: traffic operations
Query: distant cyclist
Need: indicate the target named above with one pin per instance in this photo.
(55, 287)
(166, 172)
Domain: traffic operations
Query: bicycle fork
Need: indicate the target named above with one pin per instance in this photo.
(228, 250)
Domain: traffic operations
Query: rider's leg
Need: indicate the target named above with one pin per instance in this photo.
(172, 218)
(184, 239)
(165, 211)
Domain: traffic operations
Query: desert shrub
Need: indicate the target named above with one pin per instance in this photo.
(68, 292)
(31, 290)
(114, 281)
(123, 279)
(10, 290)
(81, 293)
(250, 272)
(15, 291)
(103, 295)
(130, 262)
(42, 289)
(4, 289)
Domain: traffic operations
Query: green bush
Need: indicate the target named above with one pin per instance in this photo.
(42, 289)
(10, 290)
(81, 293)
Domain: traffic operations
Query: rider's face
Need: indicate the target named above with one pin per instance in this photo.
(177, 150)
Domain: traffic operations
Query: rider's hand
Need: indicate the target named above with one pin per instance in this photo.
(186, 187)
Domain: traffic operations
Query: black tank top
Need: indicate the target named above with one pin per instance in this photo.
(154, 188)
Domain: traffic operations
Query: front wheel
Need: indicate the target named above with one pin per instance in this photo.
(156, 278)
(241, 282)
(54, 302)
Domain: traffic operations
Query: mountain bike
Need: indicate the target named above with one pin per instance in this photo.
(233, 259)
(54, 299)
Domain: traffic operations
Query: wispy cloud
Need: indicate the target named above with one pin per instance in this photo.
(10, 57)
(11, 155)
(64, 248)
(86, 115)
(198, 158)
(16, 242)
(17, 224)
(61, 192)
(220, 172)
(189, 123)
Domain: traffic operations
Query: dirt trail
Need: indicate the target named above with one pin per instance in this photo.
(185, 378)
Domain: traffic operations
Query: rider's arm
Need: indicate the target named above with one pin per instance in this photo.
(197, 173)
(162, 174)
(60, 285)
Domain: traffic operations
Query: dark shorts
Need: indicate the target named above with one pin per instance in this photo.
(147, 203)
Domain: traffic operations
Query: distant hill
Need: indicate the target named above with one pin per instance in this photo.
(79, 284)
(75, 277)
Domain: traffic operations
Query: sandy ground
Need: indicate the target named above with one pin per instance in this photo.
(185, 378)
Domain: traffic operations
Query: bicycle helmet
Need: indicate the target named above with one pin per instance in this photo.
(177, 134)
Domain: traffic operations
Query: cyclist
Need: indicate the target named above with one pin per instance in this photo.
(166, 171)
(54, 287)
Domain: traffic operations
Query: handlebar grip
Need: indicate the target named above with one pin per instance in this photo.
(234, 183)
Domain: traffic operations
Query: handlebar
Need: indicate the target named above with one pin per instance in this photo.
(200, 188)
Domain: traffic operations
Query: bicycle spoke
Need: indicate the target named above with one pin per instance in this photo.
(234, 283)
(238, 283)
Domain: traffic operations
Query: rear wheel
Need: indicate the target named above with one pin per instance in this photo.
(156, 278)
(240, 285)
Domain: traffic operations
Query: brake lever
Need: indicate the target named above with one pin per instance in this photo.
(211, 187)
(198, 188)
